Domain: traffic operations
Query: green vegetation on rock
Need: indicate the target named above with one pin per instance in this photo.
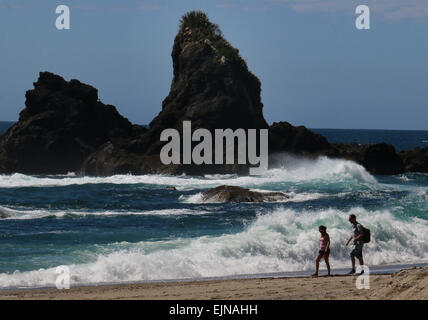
(196, 25)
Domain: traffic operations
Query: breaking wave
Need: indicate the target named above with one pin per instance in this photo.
(9, 213)
(297, 170)
(281, 240)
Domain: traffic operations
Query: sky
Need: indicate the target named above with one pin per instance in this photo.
(317, 69)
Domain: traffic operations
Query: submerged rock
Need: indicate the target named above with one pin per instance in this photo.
(238, 194)
(4, 214)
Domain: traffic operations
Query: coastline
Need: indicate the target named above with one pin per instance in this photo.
(408, 283)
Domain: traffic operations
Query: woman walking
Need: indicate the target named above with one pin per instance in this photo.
(324, 251)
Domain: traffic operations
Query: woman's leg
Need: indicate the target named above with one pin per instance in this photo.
(327, 262)
(317, 264)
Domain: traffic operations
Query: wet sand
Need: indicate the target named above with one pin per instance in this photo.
(404, 284)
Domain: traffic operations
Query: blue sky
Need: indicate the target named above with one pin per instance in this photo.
(316, 68)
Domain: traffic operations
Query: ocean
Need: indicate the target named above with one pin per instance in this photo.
(400, 139)
(4, 125)
(132, 228)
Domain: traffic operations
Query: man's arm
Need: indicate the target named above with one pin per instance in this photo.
(358, 238)
(349, 240)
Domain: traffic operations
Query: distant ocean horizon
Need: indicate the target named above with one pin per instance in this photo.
(4, 125)
(400, 139)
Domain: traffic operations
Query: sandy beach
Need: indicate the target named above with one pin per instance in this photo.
(405, 284)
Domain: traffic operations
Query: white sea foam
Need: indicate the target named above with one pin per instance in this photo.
(283, 240)
(25, 213)
(296, 170)
(405, 178)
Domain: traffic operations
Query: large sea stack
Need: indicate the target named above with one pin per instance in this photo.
(211, 85)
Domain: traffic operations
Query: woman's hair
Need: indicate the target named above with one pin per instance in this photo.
(324, 228)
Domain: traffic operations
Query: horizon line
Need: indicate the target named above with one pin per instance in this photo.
(295, 125)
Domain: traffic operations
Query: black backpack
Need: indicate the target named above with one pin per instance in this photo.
(366, 235)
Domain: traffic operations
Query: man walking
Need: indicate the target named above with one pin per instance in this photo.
(358, 234)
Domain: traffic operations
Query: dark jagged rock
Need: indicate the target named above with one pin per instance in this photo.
(378, 158)
(381, 158)
(63, 123)
(238, 194)
(116, 158)
(415, 160)
(285, 137)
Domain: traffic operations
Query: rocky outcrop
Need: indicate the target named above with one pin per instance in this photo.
(62, 124)
(415, 160)
(238, 194)
(299, 140)
(378, 158)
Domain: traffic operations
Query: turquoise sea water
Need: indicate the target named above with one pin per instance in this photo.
(130, 228)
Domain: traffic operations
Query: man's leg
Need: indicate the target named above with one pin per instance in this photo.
(353, 263)
(360, 258)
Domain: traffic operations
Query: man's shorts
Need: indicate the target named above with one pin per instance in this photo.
(357, 251)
